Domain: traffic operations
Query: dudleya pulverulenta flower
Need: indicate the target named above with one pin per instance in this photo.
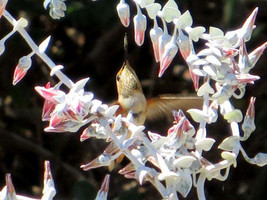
(57, 8)
(123, 11)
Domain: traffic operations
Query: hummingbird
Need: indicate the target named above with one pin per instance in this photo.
(131, 98)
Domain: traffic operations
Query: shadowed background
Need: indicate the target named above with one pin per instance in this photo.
(89, 42)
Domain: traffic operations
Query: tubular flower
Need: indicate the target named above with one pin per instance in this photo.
(194, 77)
(256, 54)
(155, 33)
(103, 192)
(184, 44)
(49, 105)
(49, 190)
(21, 69)
(248, 125)
(164, 38)
(170, 51)
(139, 27)
(123, 11)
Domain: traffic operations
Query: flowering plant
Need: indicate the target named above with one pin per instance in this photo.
(175, 161)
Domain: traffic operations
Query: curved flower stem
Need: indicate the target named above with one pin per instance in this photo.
(200, 187)
(245, 155)
(61, 76)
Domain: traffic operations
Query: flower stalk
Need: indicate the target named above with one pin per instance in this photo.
(173, 162)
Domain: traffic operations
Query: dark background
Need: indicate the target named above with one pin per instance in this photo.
(89, 42)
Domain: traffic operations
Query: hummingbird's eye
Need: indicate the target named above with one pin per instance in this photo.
(118, 77)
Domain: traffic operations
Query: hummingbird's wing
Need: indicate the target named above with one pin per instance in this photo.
(162, 106)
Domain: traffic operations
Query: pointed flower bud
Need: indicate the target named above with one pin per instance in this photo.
(256, 54)
(103, 192)
(243, 61)
(246, 78)
(248, 26)
(51, 94)
(163, 38)
(170, 51)
(184, 44)
(187, 126)
(21, 69)
(195, 79)
(139, 27)
(48, 107)
(123, 11)
(49, 190)
(155, 33)
(61, 124)
(105, 159)
(244, 32)
(11, 193)
(127, 169)
(248, 125)
(177, 134)
(193, 65)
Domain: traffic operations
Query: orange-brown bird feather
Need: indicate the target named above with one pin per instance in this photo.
(162, 106)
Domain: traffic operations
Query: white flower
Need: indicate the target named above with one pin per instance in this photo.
(57, 8)
(123, 11)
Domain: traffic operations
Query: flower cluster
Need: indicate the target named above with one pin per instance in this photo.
(173, 162)
(57, 8)
(224, 66)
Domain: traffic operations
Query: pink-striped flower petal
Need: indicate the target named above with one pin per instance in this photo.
(103, 192)
(123, 11)
(171, 50)
(155, 33)
(195, 79)
(139, 27)
(21, 69)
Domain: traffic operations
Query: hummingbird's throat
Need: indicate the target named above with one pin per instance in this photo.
(137, 105)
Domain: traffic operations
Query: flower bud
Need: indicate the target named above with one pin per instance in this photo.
(155, 33)
(248, 125)
(139, 28)
(256, 54)
(170, 51)
(49, 190)
(21, 69)
(164, 38)
(103, 192)
(124, 13)
(184, 45)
